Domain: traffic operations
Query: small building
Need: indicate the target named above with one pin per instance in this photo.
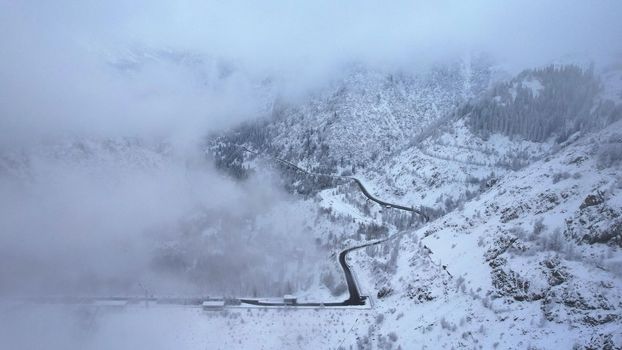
(111, 303)
(213, 305)
(289, 299)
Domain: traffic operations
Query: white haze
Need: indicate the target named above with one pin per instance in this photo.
(94, 70)
(128, 218)
(56, 78)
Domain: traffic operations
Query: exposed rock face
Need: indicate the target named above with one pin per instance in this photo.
(384, 292)
(591, 200)
(419, 294)
(601, 342)
(596, 221)
(509, 283)
(557, 273)
(547, 201)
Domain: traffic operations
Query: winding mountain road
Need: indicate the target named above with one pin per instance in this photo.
(351, 178)
(355, 297)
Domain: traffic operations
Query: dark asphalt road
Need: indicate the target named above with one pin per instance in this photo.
(355, 295)
(351, 178)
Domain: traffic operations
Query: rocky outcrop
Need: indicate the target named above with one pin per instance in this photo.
(592, 200)
(596, 222)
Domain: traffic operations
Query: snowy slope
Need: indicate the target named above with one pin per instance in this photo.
(363, 116)
(535, 261)
(455, 159)
(529, 252)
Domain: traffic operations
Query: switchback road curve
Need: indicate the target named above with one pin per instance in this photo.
(355, 297)
(351, 178)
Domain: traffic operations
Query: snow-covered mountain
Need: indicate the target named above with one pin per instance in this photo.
(448, 132)
(533, 262)
(364, 116)
(523, 249)
(522, 176)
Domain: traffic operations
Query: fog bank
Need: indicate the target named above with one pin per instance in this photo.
(125, 217)
(57, 76)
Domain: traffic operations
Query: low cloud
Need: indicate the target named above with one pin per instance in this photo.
(56, 76)
(122, 218)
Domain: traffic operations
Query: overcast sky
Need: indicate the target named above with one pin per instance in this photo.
(54, 76)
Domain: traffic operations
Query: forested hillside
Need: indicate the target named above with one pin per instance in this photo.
(539, 104)
(440, 157)
(359, 119)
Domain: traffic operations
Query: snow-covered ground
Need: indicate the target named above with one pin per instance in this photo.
(512, 284)
(447, 166)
